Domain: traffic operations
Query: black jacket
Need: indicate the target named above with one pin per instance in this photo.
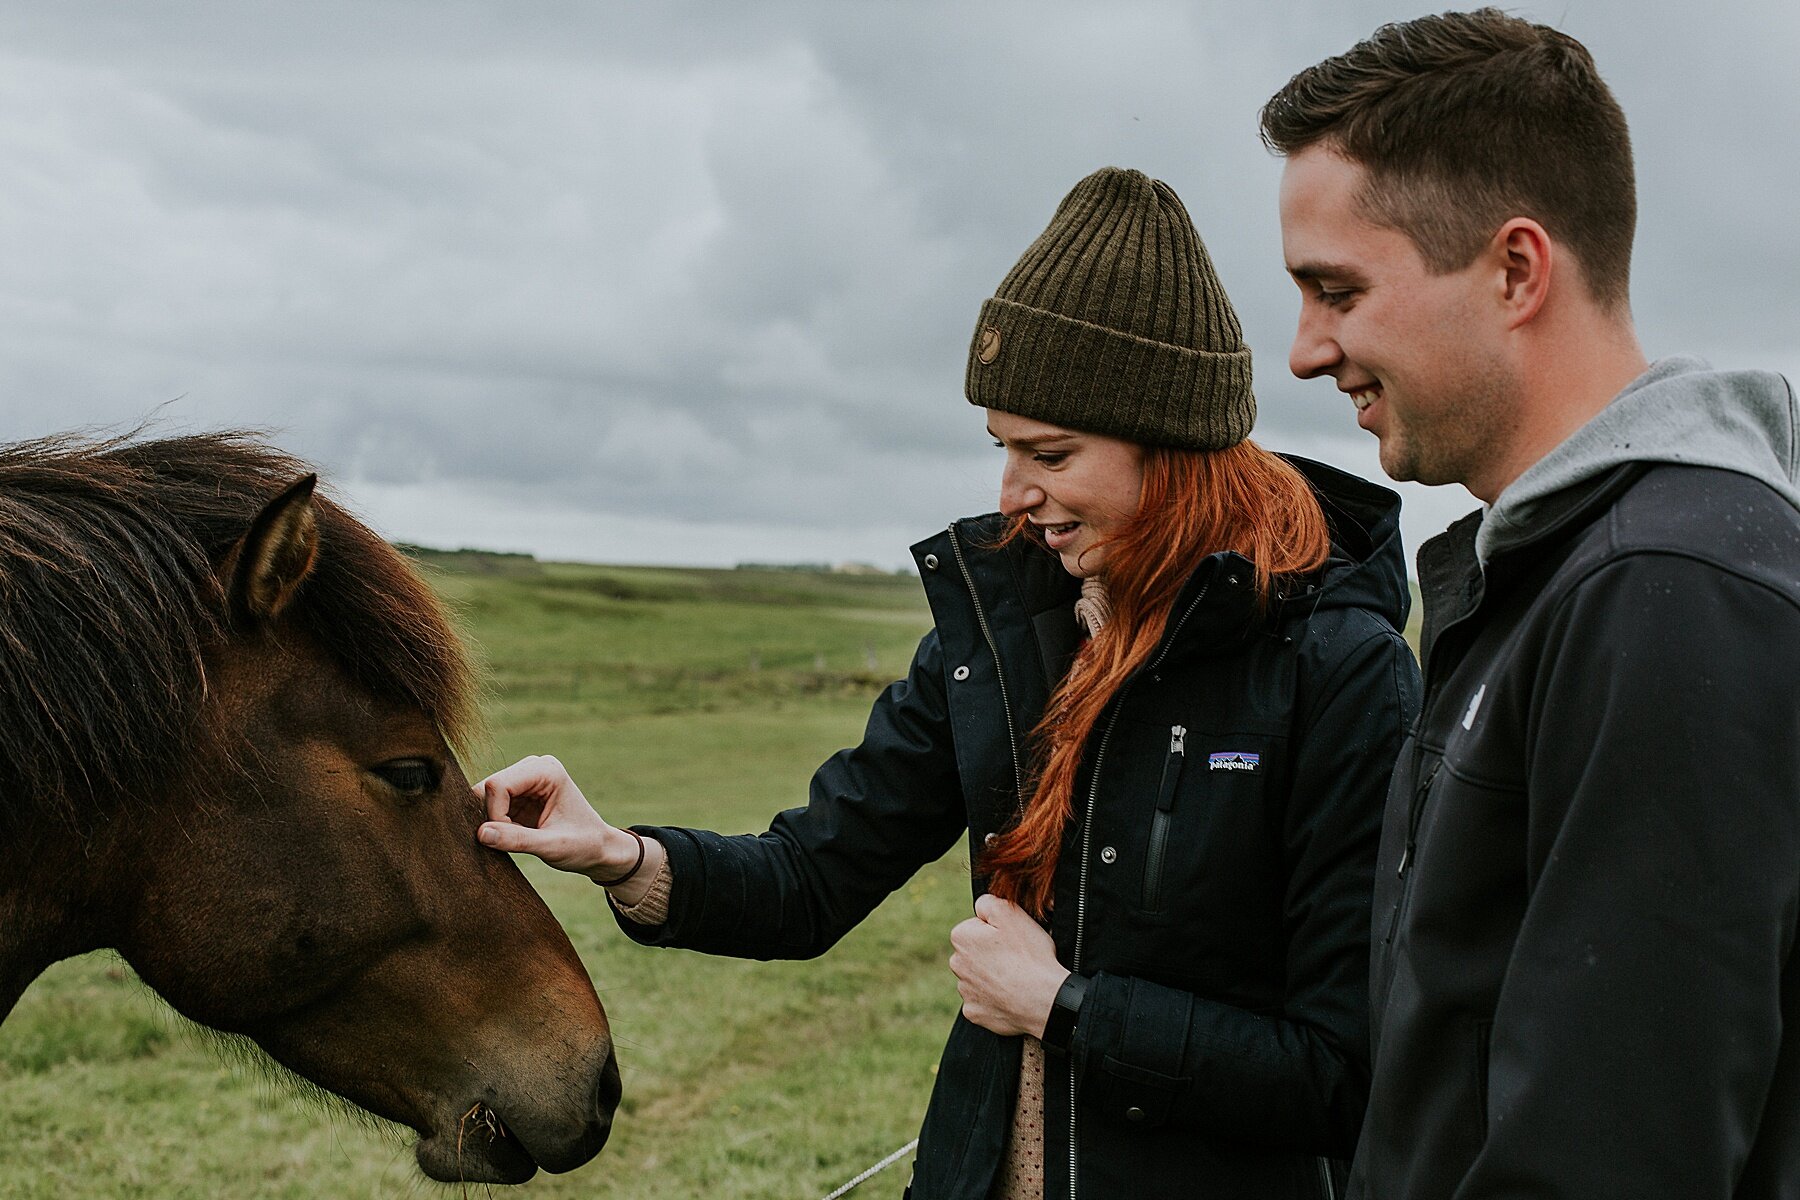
(1214, 885)
(1590, 868)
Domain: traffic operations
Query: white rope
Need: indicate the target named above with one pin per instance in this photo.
(875, 1170)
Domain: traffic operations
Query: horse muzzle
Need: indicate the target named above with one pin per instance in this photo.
(492, 1142)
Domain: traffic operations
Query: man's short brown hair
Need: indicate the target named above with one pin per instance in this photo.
(1465, 120)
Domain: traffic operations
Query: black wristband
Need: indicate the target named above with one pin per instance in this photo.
(1065, 1011)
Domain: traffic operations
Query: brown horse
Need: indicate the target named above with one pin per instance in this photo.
(228, 709)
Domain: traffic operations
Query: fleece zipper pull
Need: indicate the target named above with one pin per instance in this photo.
(1171, 774)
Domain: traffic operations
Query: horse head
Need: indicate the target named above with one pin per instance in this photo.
(304, 871)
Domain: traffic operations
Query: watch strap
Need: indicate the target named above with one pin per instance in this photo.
(1065, 1012)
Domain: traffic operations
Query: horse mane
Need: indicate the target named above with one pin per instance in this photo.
(109, 605)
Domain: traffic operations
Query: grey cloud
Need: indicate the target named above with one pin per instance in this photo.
(709, 265)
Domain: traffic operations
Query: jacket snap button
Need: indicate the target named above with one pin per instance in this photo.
(1134, 1113)
(1108, 854)
(960, 674)
(931, 562)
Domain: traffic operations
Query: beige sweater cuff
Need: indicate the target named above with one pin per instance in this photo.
(653, 908)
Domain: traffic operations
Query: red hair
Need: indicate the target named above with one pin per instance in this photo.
(1193, 503)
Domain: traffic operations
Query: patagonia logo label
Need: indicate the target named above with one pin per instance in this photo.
(1233, 760)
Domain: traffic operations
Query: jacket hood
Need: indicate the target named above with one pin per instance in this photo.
(1367, 568)
(1678, 411)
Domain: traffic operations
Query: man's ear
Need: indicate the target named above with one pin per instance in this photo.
(267, 566)
(1529, 259)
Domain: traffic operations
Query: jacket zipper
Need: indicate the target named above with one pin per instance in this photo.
(1330, 1189)
(1161, 819)
(1087, 833)
(1012, 737)
(1412, 842)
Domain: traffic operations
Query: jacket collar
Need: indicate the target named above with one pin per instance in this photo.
(1022, 579)
(1452, 582)
(1218, 601)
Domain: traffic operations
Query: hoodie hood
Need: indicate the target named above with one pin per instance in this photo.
(1367, 568)
(1678, 411)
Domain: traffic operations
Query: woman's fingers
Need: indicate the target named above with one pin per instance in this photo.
(513, 839)
(533, 774)
(528, 790)
(533, 807)
(1005, 967)
(563, 848)
(1017, 927)
(993, 909)
(972, 944)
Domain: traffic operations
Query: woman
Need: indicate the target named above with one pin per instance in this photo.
(1162, 697)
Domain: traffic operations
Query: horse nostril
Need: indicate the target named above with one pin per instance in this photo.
(606, 1103)
(611, 1088)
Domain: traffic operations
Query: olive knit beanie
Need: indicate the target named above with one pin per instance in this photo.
(1113, 322)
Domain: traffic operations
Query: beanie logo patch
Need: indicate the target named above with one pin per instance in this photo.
(989, 349)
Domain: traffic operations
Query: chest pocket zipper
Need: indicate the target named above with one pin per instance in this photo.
(1161, 818)
(1412, 844)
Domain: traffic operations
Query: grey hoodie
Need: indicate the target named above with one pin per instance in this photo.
(1680, 410)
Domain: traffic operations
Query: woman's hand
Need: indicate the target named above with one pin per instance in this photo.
(533, 807)
(1006, 968)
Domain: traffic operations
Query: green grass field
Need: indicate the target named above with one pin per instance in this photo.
(687, 697)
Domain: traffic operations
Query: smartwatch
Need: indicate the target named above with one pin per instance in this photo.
(1065, 1011)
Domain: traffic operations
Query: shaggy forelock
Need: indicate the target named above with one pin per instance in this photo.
(110, 607)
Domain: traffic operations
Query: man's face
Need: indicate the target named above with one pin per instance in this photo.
(1419, 354)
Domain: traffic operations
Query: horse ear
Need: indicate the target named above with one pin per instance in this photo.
(275, 556)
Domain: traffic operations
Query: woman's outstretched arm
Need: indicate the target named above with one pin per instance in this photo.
(876, 813)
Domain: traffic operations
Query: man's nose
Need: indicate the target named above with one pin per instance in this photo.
(1018, 494)
(1314, 351)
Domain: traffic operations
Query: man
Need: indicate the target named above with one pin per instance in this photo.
(1583, 969)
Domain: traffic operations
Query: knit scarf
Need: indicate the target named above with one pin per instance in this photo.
(1093, 610)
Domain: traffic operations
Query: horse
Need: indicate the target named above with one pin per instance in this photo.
(229, 711)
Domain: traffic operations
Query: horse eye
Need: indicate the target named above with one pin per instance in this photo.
(409, 776)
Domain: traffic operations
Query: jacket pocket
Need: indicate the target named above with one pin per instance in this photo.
(1135, 1096)
(1156, 855)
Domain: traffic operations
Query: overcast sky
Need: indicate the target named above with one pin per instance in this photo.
(694, 282)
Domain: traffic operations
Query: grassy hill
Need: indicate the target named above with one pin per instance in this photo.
(700, 697)
(678, 696)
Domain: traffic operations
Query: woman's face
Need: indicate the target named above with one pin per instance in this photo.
(1076, 489)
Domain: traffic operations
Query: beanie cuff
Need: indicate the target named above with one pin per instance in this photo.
(1079, 375)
